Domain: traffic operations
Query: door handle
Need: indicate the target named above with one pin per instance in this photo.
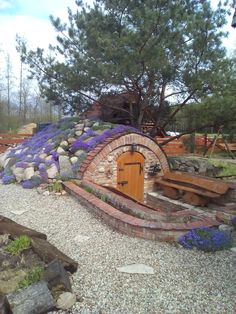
(122, 182)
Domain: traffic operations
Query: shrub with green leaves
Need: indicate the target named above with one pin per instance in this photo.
(20, 244)
(33, 276)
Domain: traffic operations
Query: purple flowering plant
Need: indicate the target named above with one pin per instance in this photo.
(206, 239)
(8, 179)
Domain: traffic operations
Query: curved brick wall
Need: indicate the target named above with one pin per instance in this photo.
(100, 166)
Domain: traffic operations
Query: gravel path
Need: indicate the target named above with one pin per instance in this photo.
(184, 281)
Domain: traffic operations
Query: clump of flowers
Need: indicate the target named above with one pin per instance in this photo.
(206, 239)
(31, 183)
(8, 179)
(233, 222)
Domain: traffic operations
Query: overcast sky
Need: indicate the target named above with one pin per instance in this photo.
(30, 19)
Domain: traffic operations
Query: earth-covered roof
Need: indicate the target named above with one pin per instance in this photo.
(56, 151)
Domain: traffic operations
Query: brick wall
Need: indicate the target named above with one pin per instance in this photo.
(102, 168)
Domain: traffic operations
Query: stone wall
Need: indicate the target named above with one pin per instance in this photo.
(193, 165)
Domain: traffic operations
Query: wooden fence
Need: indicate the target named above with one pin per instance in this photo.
(173, 148)
(10, 139)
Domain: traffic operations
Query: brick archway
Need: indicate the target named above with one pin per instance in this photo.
(119, 145)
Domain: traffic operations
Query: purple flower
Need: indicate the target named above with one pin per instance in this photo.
(31, 183)
(78, 144)
(22, 164)
(206, 239)
(8, 179)
(55, 155)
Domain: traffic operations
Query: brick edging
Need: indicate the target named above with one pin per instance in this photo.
(130, 225)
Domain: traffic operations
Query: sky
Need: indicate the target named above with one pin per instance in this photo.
(30, 19)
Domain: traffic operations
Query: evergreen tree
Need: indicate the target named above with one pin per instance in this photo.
(162, 51)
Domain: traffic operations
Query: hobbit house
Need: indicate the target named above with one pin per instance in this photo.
(117, 163)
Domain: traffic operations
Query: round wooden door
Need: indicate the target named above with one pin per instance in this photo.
(130, 174)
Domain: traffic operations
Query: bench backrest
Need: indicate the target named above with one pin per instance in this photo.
(209, 184)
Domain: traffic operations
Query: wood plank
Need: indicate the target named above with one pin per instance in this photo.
(194, 199)
(11, 141)
(10, 135)
(186, 188)
(209, 184)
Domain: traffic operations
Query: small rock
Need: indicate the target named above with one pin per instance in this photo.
(136, 269)
(63, 192)
(71, 140)
(73, 160)
(18, 173)
(19, 211)
(52, 171)
(66, 300)
(101, 169)
(4, 239)
(46, 193)
(79, 126)
(233, 249)
(28, 173)
(64, 144)
(226, 228)
(78, 133)
(58, 193)
(43, 156)
(61, 151)
(48, 157)
(109, 158)
(86, 129)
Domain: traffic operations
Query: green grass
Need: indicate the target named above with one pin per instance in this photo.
(33, 276)
(227, 168)
(20, 244)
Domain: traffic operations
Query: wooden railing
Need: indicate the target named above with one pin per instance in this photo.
(11, 139)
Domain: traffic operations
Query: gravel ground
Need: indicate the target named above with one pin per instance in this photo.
(184, 281)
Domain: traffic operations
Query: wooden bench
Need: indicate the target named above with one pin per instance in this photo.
(194, 189)
(231, 146)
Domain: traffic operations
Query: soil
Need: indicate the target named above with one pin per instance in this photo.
(13, 268)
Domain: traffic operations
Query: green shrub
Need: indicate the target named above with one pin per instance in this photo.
(33, 276)
(18, 245)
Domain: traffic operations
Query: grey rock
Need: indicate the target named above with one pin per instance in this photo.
(66, 300)
(19, 211)
(28, 173)
(64, 144)
(233, 249)
(52, 171)
(78, 133)
(79, 126)
(35, 299)
(73, 160)
(56, 275)
(65, 166)
(226, 228)
(43, 155)
(18, 173)
(136, 269)
(61, 151)
(88, 123)
(4, 239)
